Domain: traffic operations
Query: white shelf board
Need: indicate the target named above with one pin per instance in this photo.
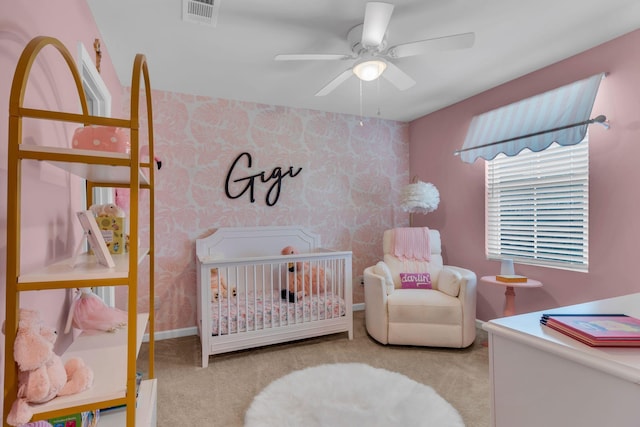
(146, 411)
(106, 354)
(84, 267)
(102, 173)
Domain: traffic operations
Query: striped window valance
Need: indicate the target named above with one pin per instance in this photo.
(560, 115)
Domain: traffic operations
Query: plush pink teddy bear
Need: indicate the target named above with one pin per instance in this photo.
(304, 278)
(41, 373)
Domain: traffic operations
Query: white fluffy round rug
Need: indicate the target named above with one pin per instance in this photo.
(349, 394)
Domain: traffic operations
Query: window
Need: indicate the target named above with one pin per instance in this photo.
(538, 207)
(99, 103)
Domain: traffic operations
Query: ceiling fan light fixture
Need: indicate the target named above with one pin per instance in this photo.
(370, 69)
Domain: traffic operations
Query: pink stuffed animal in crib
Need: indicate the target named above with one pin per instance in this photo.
(304, 279)
(219, 288)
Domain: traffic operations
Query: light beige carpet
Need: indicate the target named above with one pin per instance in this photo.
(221, 394)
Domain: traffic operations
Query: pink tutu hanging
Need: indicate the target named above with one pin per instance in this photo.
(89, 313)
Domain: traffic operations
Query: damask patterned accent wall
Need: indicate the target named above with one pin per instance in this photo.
(348, 189)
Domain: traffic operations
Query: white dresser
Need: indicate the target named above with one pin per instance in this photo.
(540, 377)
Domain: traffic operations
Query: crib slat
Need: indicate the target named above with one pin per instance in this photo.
(229, 316)
(264, 298)
(301, 285)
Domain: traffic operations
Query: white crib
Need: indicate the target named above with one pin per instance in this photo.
(257, 309)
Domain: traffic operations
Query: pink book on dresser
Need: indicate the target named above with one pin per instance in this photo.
(611, 330)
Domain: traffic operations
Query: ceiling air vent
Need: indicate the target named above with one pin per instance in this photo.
(201, 11)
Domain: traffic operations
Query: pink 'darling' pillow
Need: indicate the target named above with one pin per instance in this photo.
(415, 280)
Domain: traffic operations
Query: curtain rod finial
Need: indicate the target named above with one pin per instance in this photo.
(601, 120)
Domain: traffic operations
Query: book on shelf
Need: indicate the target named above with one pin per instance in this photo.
(597, 330)
(511, 278)
(83, 419)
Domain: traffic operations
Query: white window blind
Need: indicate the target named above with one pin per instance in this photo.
(538, 207)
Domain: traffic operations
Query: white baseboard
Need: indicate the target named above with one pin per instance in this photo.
(174, 333)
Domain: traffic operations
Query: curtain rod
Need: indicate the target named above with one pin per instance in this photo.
(600, 119)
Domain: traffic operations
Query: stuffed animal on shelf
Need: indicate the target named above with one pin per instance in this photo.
(304, 279)
(108, 209)
(219, 287)
(90, 313)
(41, 372)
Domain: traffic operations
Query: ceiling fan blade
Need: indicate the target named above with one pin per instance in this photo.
(329, 87)
(376, 20)
(457, 41)
(397, 77)
(311, 57)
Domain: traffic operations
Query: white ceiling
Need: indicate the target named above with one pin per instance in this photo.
(235, 59)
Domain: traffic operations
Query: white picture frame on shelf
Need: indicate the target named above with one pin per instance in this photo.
(94, 236)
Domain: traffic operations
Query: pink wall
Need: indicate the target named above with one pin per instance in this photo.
(49, 232)
(614, 231)
(347, 190)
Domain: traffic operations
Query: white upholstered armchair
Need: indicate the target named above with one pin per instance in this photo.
(407, 313)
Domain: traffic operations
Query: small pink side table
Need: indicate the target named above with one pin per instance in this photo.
(510, 293)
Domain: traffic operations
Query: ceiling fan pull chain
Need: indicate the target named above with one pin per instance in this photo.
(378, 95)
(361, 122)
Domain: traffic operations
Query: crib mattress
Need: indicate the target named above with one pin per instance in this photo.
(250, 312)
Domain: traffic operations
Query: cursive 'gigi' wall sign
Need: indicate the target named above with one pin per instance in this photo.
(277, 175)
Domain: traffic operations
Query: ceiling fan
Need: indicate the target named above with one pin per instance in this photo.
(372, 57)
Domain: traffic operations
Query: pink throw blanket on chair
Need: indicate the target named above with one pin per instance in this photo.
(412, 243)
